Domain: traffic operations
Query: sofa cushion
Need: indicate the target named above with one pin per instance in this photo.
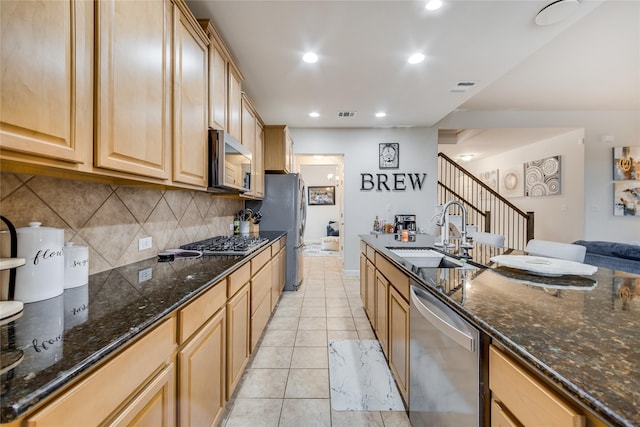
(613, 249)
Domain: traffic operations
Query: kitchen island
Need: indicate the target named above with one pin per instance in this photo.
(69, 338)
(583, 338)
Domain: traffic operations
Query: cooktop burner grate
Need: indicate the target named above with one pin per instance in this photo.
(227, 245)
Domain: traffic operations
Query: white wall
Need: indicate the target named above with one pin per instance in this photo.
(418, 154)
(318, 216)
(559, 217)
(624, 126)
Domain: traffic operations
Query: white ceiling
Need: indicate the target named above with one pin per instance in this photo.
(591, 61)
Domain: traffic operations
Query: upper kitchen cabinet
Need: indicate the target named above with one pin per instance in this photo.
(252, 138)
(259, 160)
(234, 102)
(46, 101)
(133, 86)
(278, 149)
(190, 99)
(218, 77)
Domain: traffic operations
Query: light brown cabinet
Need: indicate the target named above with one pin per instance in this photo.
(238, 333)
(259, 159)
(190, 99)
(382, 312)
(46, 101)
(133, 87)
(202, 358)
(201, 385)
(370, 302)
(252, 134)
(151, 376)
(260, 299)
(234, 101)
(399, 340)
(278, 271)
(278, 149)
(218, 79)
(518, 398)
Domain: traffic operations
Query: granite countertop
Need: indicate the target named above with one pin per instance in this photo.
(65, 336)
(580, 335)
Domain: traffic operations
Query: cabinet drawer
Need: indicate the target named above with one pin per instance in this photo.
(275, 248)
(371, 253)
(259, 260)
(260, 286)
(87, 403)
(199, 311)
(259, 319)
(530, 401)
(238, 279)
(396, 277)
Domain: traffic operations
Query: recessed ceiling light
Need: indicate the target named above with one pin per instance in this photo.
(466, 157)
(310, 58)
(416, 58)
(434, 5)
(381, 114)
(314, 114)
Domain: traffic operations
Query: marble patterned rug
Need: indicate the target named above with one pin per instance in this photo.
(360, 379)
(313, 249)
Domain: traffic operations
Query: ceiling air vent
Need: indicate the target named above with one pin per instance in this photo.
(462, 86)
(346, 113)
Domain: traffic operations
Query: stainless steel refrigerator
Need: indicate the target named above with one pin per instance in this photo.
(284, 208)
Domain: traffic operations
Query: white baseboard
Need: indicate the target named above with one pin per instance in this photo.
(351, 272)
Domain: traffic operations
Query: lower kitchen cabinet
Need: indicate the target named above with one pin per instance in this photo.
(260, 301)
(238, 333)
(278, 274)
(520, 399)
(363, 278)
(399, 340)
(370, 293)
(154, 406)
(201, 367)
(145, 366)
(382, 312)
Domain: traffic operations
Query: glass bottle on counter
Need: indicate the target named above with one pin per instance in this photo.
(376, 225)
(236, 225)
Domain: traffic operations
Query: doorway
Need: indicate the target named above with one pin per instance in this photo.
(323, 173)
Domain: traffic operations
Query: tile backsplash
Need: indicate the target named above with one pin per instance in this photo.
(110, 219)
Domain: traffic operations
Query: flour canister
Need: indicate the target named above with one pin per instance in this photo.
(42, 275)
(76, 265)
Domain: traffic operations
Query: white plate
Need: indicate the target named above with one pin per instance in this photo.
(544, 266)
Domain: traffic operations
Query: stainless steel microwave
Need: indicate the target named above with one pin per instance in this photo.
(229, 164)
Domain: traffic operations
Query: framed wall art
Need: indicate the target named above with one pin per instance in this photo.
(322, 195)
(512, 182)
(389, 155)
(490, 179)
(542, 177)
(626, 163)
(626, 199)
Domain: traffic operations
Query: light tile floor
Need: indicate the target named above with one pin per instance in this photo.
(286, 382)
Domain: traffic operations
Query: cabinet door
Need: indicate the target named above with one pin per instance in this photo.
(249, 139)
(288, 151)
(201, 364)
(154, 406)
(237, 337)
(234, 93)
(217, 86)
(259, 160)
(382, 309)
(133, 86)
(46, 101)
(370, 304)
(190, 102)
(363, 279)
(399, 340)
(278, 278)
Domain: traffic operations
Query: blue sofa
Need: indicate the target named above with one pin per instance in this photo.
(616, 256)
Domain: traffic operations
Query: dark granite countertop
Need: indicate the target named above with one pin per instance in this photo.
(65, 336)
(580, 335)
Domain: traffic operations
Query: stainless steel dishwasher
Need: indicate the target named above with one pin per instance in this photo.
(445, 388)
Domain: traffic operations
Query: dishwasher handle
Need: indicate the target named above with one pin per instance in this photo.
(439, 321)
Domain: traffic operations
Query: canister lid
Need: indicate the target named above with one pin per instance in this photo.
(35, 227)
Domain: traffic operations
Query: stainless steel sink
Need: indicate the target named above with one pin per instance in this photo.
(426, 257)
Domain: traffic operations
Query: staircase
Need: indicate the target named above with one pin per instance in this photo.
(486, 209)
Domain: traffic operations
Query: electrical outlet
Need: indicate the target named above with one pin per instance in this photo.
(145, 274)
(231, 227)
(145, 243)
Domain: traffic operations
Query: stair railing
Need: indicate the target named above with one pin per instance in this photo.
(486, 209)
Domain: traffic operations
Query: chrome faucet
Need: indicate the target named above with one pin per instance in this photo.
(443, 220)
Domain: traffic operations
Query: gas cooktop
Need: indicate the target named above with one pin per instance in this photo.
(227, 245)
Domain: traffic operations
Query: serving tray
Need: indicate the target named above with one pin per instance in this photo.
(543, 266)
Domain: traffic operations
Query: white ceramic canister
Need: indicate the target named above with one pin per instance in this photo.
(42, 275)
(76, 265)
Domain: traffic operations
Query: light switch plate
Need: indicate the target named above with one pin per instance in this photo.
(145, 243)
(145, 274)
